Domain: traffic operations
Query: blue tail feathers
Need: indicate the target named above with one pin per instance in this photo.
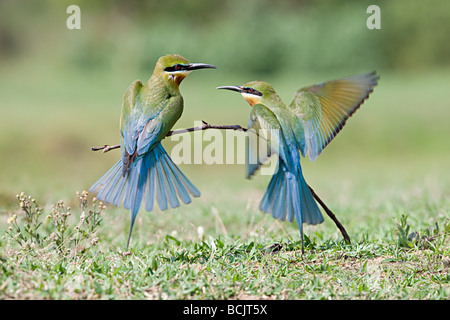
(152, 176)
(288, 195)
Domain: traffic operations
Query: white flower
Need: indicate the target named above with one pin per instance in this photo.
(12, 219)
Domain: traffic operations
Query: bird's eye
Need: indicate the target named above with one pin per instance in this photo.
(176, 67)
(252, 91)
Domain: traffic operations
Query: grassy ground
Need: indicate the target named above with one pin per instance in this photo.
(202, 252)
(385, 176)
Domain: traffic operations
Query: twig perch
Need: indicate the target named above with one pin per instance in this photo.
(331, 215)
(206, 126)
(106, 148)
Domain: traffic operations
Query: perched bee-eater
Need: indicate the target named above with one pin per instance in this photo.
(145, 170)
(306, 126)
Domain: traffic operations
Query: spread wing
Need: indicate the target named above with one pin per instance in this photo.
(263, 132)
(324, 109)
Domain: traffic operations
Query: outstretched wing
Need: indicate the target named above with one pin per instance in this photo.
(324, 108)
(264, 133)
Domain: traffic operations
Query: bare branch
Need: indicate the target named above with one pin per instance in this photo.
(331, 215)
(204, 126)
(106, 148)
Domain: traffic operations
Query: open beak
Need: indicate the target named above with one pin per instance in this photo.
(195, 66)
(233, 88)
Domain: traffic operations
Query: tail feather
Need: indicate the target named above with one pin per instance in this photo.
(119, 196)
(269, 195)
(161, 195)
(110, 174)
(273, 196)
(289, 202)
(298, 208)
(152, 176)
(180, 190)
(288, 195)
(185, 185)
(150, 198)
(310, 215)
(133, 177)
(279, 204)
(170, 186)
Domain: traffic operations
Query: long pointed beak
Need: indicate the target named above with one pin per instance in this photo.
(233, 88)
(195, 66)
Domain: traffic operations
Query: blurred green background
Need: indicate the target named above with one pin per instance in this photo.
(61, 89)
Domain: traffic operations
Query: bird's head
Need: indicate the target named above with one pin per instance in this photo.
(253, 92)
(175, 67)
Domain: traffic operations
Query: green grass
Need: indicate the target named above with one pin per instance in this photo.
(385, 177)
(172, 259)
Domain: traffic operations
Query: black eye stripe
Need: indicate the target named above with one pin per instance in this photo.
(252, 91)
(176, 67)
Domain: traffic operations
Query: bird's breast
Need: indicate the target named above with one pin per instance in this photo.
(251, 99)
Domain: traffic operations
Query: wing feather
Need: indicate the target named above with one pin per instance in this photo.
(140, 126)
(324, 109)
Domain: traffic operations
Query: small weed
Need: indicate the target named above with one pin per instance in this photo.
(431, 238)
(28, 231)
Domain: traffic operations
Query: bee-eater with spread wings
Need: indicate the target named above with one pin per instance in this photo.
(305, 127)
(145, 170)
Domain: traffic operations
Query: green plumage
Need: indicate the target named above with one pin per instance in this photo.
(304, 127)
(145, 170)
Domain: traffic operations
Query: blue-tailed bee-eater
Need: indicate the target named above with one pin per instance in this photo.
(145, 170)
(305, 127)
